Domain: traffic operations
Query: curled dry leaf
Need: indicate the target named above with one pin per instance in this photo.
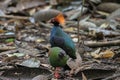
(104, 25)
(74, 14)
(31, 63)
(95, 53)
(15, 54)
(40, 40)
(96, 1)
(108, 7)
(26, 4)
(103, 13)
(107, 54)
(4, 4)
(45, 14)
(74, 64)
(83, 76)
(114, 15)
(9, 59)
(2, 31)
(85, 25)
(40, 77)
(105, 32)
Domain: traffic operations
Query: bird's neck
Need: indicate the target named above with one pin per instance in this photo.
(56, 30)
(56, 24)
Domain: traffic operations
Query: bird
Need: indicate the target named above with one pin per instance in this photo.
(58, 38)
(58, 59)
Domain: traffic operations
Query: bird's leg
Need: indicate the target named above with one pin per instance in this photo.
(57, 72)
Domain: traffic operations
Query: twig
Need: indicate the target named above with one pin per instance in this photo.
(15, 17)
(8, 52)
(72, 32)
(103, 44)
(83, 1)
(5, 48)
(111, 77)
(6, 36)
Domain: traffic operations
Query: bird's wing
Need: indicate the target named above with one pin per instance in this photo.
(57, 41)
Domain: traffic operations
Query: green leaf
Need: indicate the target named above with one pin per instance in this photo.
(9, 40)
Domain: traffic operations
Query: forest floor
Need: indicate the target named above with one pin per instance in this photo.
(25, 32)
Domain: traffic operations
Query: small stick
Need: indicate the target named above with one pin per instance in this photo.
(103, 44)
(15, 17)
(79, 18)
(8, 52)
(111, 77)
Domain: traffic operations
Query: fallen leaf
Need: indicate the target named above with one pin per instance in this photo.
(95, 54)
(2, 31)
(74, 64)
(54, 79)
(108, 7)
(104, 25)
(46, 14)
(16, 54)
(4, 4)
(40, 40)
(84, 77)
(31, 63)
(9, 59)
(96, 1)
(107, 54)
(103, 13)
(26, 4)
(9, 40)
(40, 77)
(69, 29)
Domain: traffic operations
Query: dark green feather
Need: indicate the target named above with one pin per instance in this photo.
(57, 57)
(60, 39)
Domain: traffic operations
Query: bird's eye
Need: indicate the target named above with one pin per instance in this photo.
(62, 54)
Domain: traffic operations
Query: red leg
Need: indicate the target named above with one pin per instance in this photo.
(56, 72)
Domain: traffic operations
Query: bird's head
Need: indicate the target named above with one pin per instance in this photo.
(57, 50)
(58, 20)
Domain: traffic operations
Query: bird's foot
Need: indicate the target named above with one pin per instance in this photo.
(57, 73)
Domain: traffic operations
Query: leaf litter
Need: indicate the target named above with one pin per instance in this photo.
(24, 44)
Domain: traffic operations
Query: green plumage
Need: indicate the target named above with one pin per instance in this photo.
(57, 57)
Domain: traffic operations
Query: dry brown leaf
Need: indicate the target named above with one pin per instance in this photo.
(74, 64)
(32, 11)
(26, 4)
(53, 2)
(95, 54)
(104, 25)
(56, 2)
(103, 13)
(9, 59)
(107, 54)
(45, 14)
(4, 4)
(71, 29)
(40, 40)
(108, 7)
(40, 77)
(2, 31)
(83, 76)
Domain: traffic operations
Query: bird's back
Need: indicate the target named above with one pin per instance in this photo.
(63, 40)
